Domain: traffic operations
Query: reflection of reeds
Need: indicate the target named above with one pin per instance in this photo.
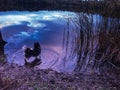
(65, 43)
(97, 44)
(68, 42)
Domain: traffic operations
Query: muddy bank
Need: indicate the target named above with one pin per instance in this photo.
(14, 77)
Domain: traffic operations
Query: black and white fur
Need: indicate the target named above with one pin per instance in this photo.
(32, 52)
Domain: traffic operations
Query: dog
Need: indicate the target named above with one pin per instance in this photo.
(32, 52)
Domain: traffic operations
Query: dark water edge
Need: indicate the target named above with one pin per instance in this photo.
(106, 8)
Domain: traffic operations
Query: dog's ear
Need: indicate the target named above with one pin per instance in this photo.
(36, 44)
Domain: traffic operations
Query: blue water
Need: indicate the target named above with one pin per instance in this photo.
(21, 28)
(56, 31)
(25, 28)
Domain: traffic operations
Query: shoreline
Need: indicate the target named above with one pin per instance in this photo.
(107, 8)
(15, 77)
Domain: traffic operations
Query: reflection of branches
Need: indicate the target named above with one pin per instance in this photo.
(68, 45)
(98, 43)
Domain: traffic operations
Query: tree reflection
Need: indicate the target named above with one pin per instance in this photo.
(2, 43)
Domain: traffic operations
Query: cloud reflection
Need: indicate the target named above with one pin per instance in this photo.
(16, 18)
(25, 28)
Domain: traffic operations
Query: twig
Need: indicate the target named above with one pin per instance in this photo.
(114, 65)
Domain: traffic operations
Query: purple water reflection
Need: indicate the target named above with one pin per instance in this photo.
(24, 28)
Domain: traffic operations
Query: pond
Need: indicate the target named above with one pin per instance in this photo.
(56, 31)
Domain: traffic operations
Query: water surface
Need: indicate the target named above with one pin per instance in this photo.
(56, 31)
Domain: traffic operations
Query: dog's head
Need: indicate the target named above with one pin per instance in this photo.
(27, 51)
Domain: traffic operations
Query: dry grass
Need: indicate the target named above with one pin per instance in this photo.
(23, 78)
(3, 58)
(7, 83)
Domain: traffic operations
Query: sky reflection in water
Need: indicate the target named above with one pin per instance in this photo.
(49, 28)
(24, 28)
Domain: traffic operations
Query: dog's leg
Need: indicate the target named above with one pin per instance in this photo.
(25, 60)
(36, 61)
(26, 63)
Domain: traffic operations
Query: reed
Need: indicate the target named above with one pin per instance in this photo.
(97, 43)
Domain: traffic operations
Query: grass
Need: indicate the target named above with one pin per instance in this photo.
(7, 83)
(3, 58)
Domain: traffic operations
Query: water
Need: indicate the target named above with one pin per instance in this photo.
(56, 31)
(25, 28)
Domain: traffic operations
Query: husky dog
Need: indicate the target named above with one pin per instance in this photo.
(32, 52)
